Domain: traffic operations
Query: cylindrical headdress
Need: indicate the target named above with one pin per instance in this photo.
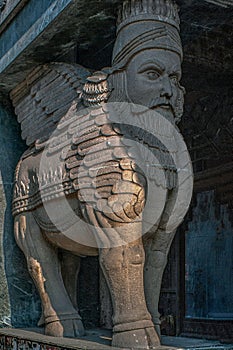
(146, 24)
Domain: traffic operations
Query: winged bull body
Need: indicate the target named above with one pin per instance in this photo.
(126, 181)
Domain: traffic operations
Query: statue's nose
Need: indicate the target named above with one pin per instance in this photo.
(166, 87)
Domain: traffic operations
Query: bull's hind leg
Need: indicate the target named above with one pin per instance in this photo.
(59, 315)
(156, 249)
(70, 266)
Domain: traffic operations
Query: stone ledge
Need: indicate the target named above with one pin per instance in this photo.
(17, 339)
(31, 340)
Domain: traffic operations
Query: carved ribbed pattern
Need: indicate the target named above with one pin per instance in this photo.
(223, 3)
(2, 4)
(160, 8)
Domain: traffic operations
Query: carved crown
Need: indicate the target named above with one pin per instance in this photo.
(157, 10)
(146, 24)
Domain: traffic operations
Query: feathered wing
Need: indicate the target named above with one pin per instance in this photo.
(50, 92)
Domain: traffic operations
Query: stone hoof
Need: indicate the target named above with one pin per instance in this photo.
(65, 328)
(146, 338)
(54, 329)
(73, 328)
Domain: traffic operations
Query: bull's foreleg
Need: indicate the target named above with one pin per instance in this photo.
(59, 315)
(123, 270)
(118, 231)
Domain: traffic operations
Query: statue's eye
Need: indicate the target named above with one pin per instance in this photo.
(152, 74)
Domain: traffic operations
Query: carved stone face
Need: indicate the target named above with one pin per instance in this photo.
(152, 79)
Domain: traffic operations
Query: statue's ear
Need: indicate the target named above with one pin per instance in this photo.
(97, 89)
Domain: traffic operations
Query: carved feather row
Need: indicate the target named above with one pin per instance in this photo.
(50, 93)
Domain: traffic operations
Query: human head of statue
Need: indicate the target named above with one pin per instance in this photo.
(147, 56)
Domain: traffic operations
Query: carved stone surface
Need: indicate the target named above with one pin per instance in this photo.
(106, 173)
(2, 4)
(223, 3)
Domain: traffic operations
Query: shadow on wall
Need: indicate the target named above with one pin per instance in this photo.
(24, 302)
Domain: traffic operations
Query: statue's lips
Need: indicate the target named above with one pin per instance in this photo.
(163, 106)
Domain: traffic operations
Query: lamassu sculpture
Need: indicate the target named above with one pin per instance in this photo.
(106, 173)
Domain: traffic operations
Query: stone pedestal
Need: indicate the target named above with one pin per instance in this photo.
(17, 339)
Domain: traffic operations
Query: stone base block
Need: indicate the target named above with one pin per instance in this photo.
(17, 339)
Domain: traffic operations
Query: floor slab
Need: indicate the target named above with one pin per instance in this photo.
(97, 339)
